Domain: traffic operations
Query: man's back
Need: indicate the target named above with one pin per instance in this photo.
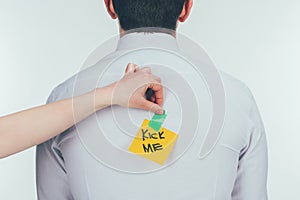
(90, 161)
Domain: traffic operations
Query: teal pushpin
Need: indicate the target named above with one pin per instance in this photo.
(157, 121)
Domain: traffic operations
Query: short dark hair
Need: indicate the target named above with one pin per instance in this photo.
(148, 13)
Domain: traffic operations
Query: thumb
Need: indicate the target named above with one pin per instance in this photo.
(153, 107)
(131, 68)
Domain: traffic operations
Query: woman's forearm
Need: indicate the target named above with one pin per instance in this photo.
(27, 128)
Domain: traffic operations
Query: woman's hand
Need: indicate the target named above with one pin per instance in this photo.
(131, 90)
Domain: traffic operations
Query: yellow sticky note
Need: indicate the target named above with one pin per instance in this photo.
(153, 145)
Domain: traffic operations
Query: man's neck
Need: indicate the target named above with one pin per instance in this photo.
(150, 30)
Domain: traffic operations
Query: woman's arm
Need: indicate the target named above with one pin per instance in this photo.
(22, 130)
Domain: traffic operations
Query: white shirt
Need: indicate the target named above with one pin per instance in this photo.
(75, 164)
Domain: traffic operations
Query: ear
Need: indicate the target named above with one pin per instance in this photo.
(110, 9)
(186, 10)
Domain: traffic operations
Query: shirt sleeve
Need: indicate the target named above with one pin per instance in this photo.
(51, 176)
(251, 180)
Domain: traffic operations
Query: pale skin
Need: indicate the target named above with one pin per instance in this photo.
(28, 128)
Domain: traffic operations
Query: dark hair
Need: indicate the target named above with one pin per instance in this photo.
(148, 13)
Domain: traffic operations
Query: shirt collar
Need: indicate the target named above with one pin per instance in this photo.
(139, 40)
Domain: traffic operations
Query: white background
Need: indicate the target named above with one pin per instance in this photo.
(42, 43)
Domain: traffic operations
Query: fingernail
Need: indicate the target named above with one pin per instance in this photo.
(160, 112)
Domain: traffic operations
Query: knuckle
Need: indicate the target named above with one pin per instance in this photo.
(147, 69)
(146, 77)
